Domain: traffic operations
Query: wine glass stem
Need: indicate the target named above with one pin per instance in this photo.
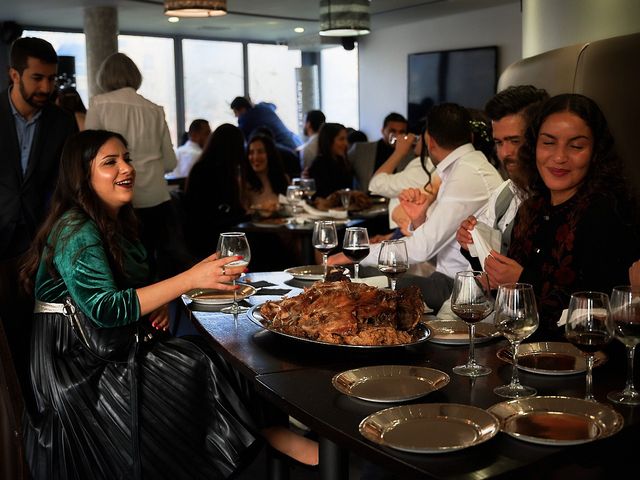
(472, 353)
(325, 258)
(630, 359)
(515, 380)
(235, 298)
(589, 392)
(393, 283)
(356, 268)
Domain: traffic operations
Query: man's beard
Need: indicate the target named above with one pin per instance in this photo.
(36, 100)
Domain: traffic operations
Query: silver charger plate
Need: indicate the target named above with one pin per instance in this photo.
(389, 383)
(430, 427)
(208, 296)
(307, 272)
(557, 420)
(550, 358)
(423, 333)
(456, 332)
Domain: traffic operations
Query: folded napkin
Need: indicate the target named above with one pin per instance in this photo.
(260, 284)
(485, 239)
(340, 214)
(273, 291)
(378, 282)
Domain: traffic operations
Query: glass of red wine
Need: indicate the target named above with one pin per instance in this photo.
(471, 300)
(393, 260)
(325, 239)
(355, 246)
(588, 327)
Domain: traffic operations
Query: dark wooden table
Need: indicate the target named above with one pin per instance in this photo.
(296, 377)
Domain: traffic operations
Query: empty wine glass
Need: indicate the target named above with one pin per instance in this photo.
(588, 327)
(471, 301)
(295, 196)
(232, 244)
(325, 239)
(516, 318)
(393, 260)
(309, 187)
(356, 246)
(345, 198)
(625, 324)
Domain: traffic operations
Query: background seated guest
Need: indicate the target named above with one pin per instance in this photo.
(189, 152)
(99, 417)
(212, 192)
(263, 114)
(366, 157)
(330, 169)
(263, 176)
(290, 159)
(355, 136)
(70, 100)
(308, 151)
(574, 231)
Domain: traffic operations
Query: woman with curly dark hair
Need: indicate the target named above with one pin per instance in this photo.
(575, 231)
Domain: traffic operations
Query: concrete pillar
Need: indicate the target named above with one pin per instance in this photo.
(307, 92)
(101, 33)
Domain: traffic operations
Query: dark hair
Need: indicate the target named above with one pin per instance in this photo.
(482, 135)
(604, 175)
(275, 169)
(197, 125)
(240, 102)
(513, 100)
(74, 197)
(354, 136)
(315, 118)
(263, 130)
(449, 124)
(69, 99)
(393, 117)
(328, 133)
(23, 48)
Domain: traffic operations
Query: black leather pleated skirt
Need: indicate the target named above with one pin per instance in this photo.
(194, 419)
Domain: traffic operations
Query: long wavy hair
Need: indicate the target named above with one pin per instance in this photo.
(327, 135)
(76, 200)
(275, 169)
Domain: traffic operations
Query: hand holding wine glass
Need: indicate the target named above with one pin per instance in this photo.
(325, 239)
(588, 327)
(356, 246)
(233, 244)
(471, 301)
(625, 324)
(516, 318)
(393, 260)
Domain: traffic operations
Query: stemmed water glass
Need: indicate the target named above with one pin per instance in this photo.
(588, 327)
(345, 198)
(393, 260)
(355, 246)
(625, 324)
(516, 318)
(471, 301)
(233, 244)
(325, 239)
(295, 195)
(309, 187)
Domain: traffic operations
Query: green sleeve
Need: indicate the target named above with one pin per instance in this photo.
(82, 263)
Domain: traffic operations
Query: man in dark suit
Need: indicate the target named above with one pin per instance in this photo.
(32, 133)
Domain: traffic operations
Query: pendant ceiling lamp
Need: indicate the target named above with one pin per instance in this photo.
(344, 18)
(195, 8)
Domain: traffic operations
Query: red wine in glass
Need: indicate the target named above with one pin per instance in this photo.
(356, 254)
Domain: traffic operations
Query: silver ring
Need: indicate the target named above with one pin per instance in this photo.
(224, 272)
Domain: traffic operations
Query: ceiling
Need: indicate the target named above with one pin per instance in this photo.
(257, 20)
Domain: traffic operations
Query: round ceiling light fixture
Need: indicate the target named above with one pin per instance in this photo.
(195, 8)
(344, 18)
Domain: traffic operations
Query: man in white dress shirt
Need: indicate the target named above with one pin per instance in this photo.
(468, 179)
(190, 151)
(308, 151)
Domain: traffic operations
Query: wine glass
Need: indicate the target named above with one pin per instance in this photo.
(345, 198)
(393, 260)
(325, 239)
(625, 324)
(231, 244)
(356, 246)
(516, 318)
(309, 187)
(588, 327)
(471, 301)
(295, 195)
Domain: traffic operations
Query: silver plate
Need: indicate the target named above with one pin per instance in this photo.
(389, 383)
(550, 358)
(208, 296)
(557, 420)
(307, 272)
(422, 334)
(430, 427)
(456, 332)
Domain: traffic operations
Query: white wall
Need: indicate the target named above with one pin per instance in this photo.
(566, 22)
(383, 55)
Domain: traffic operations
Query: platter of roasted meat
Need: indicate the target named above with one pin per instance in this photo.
(347, 314)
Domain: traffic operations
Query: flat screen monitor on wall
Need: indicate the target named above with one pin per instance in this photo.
(467, 77)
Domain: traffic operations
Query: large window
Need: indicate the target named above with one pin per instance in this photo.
(213, 77)
(272, 78)
(155, 59)
(339, 85)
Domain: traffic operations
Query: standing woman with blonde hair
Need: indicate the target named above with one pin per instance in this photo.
(121, 109)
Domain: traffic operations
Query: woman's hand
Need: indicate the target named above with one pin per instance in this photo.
(463, 235)
(213, 272)
(401, 218)
(338, 259)
(415, 202)
(159, 318)
(501, 269)
(634, 274)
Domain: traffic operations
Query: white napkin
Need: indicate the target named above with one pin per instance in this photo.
(282, 200)
(485, 239)
(342, 214)
(579, 313)
(378, 282)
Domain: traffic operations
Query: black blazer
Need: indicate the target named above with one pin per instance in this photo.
(24, 198)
